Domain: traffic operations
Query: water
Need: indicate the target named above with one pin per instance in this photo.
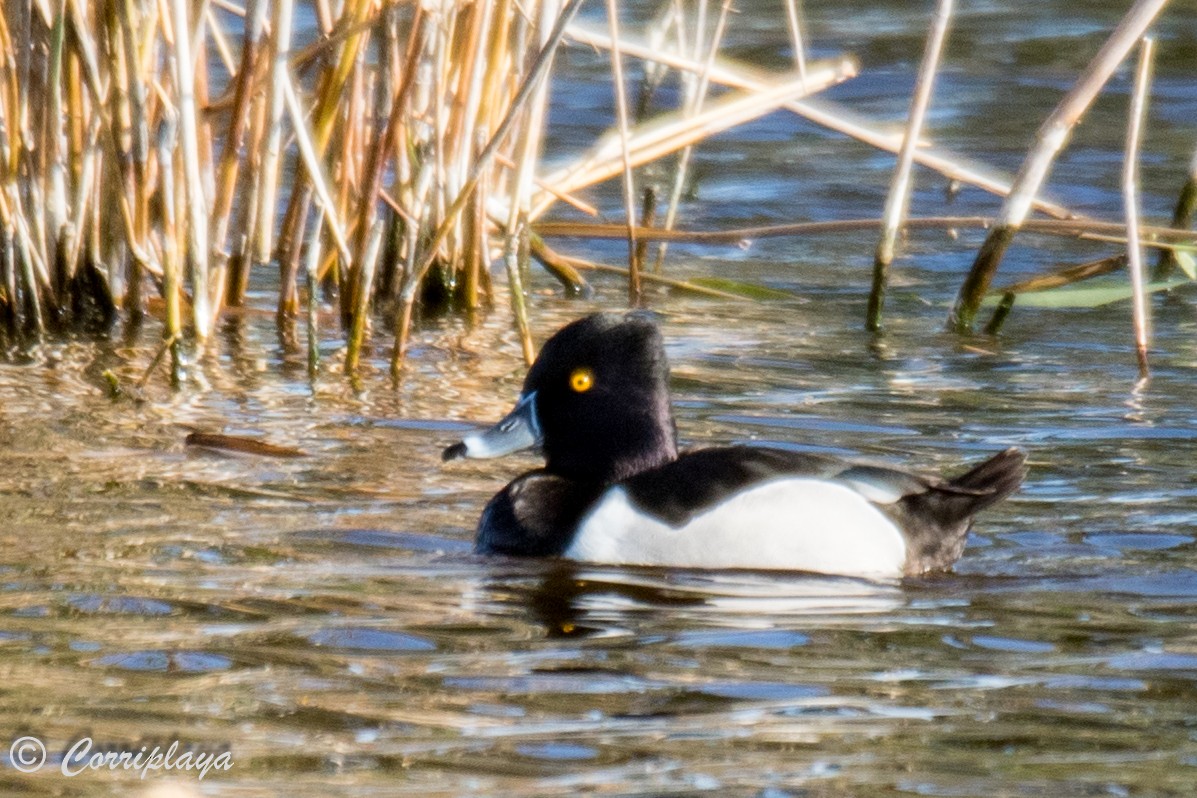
(322, 620)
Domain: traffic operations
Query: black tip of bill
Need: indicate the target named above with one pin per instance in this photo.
(453, 452)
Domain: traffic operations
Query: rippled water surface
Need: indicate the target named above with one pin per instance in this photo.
(322, 619)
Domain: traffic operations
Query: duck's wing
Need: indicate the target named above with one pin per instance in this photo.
(700, 479)
(933, 514)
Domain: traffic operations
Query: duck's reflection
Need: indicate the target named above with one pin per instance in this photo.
(570, 599)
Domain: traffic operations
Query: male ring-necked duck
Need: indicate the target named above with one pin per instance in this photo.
(615, 490)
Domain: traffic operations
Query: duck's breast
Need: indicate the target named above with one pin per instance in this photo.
(800, 524)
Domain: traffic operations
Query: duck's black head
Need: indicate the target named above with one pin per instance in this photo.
(596, 400)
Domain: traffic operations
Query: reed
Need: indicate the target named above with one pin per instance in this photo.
(158, 156)
(900, 186)
(1051, 138)
(373, 152)
(1130, 195)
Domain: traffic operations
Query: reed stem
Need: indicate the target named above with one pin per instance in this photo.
(900, 187)
(1051, 138)
(1130, 195)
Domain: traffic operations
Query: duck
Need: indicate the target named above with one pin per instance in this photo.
(616, 490)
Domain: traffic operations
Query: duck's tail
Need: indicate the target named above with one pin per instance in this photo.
(993, 480)
(936, 522)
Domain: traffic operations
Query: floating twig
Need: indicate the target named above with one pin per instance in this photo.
(240, 444)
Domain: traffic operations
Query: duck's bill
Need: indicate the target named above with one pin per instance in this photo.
(517, 431)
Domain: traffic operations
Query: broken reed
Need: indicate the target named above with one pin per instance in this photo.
(153, 153)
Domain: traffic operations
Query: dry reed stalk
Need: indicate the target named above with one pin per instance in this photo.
(392, 132)
(361, 300)
(648, 218)
(85, 189)
(246, 228)
(1050, 139)
(172, 205)
(54, 168)
(900, 187)
(515, 234)
(230, 158)
(326, 113)
(518, 238)
(629, 184)
(794, 21)
(315, 171)
(1066, 276)
(219, 40)
(669, 133)
(1083, 229)
(546, 255)
(697, 87)
(511, 115)
(268, 168)
(312, 263)
(1130, 195)
(197, 201)
(826, 114)
(131, 101)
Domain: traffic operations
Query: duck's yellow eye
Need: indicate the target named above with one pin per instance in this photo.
(581, 380)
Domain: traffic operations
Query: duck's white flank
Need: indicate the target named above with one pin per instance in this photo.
(791, 524)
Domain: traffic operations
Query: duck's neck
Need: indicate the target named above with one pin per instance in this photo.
(644, 439)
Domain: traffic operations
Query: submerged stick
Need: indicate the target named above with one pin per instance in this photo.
(240, 444)
(1130, 194)
(1050, 139)
(900, 187)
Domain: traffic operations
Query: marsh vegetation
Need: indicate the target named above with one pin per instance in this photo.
(367, 161)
